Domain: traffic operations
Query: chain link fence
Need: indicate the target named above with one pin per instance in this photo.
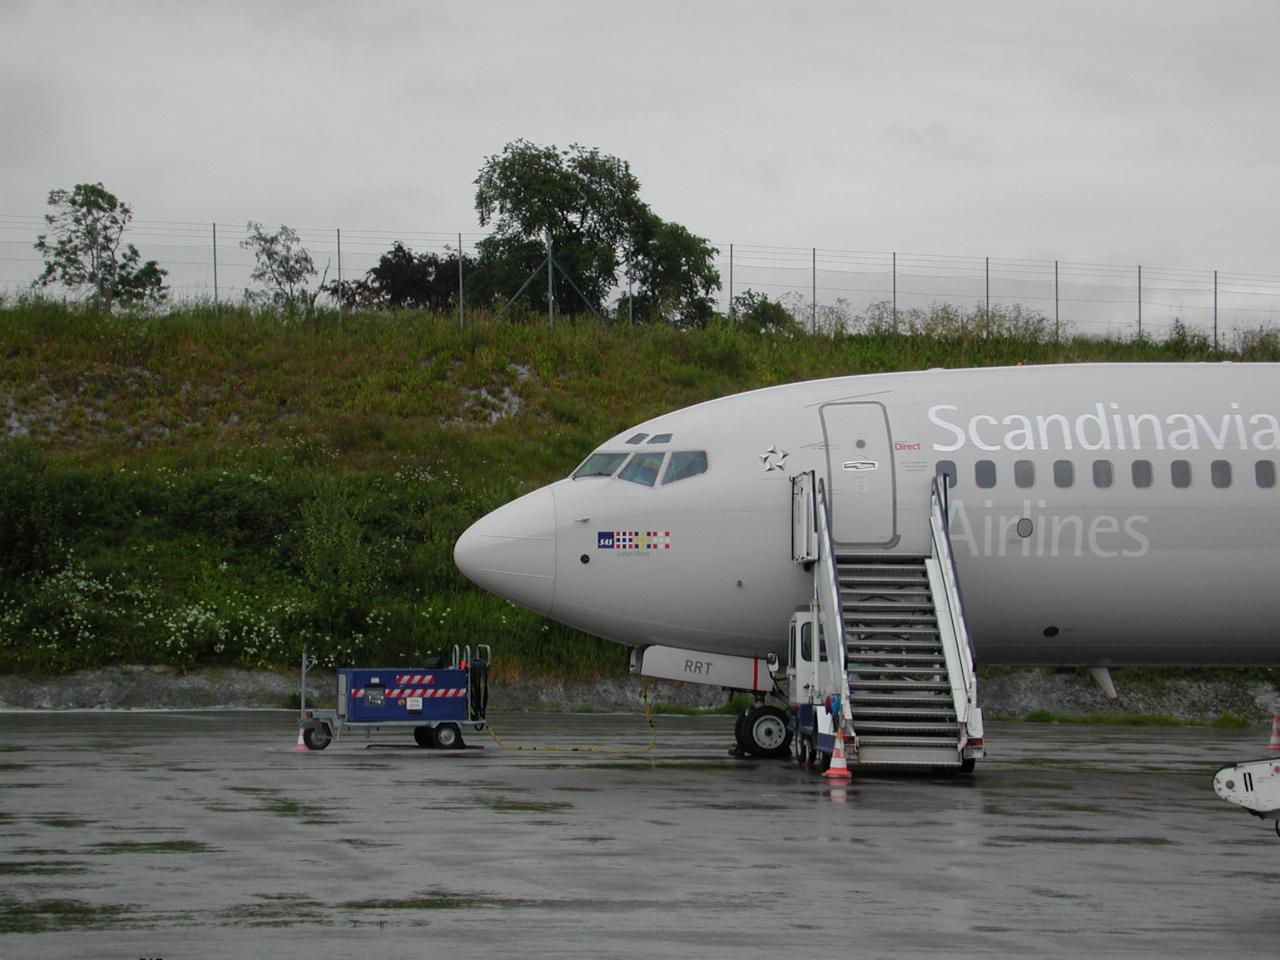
(824, 289)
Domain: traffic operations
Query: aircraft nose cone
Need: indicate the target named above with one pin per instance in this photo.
(512, 551)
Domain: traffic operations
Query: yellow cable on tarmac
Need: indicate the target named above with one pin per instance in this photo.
(648, 715)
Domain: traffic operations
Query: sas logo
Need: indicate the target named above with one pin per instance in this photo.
(633, 540)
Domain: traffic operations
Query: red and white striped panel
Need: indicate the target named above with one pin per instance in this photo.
(401, 693)
(414, 679)
(398, 694)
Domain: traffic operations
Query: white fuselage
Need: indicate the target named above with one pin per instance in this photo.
(1101, 514)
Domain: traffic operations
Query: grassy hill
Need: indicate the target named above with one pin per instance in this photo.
(189, 489)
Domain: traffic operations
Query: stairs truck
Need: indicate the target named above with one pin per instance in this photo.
(881, 654)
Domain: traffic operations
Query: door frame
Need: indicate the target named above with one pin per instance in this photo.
(894, 535)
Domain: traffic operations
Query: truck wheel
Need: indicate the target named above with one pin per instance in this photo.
(765, 733)
(316, 738)
(448, 737)
(422, 737)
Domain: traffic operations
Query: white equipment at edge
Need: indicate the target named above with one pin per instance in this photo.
(1254, 785)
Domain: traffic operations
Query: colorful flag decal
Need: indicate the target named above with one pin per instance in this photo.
(633, 540)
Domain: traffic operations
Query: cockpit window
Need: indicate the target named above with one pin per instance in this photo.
(599, 465)
(660, 438)
(642, 468)
(685, 464)
(637, 438)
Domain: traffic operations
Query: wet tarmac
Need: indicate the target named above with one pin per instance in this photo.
(206, 835)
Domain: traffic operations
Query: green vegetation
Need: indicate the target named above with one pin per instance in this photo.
(182, 489)
(1226, 721)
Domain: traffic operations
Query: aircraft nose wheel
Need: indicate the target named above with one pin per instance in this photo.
(762, 732)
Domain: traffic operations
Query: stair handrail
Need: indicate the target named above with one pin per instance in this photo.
(940, 528)
(830, 609)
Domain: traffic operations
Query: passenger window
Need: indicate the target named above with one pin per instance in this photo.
(1180, 473)
(806, 642)
(637, 438)
(1142, 473)
(1024, 473)
(1220, 473)
(660, 438)
(599, 465)
(1064, 473)
(984, 474)
(1264, 471)
(685, 464)
(642, 468)
(947, 468)
(1103, 474)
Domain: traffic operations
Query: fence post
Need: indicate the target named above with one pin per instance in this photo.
(339, 275)
(1139, 301)
(462, 313)
(631, 306)
(988, 277)
(814, 306)
(551, 284)
(731, 281)
(215, 270)
(1215, 311)
(895, 291)
(1056, 315)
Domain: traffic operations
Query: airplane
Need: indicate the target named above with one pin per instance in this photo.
(916, 523)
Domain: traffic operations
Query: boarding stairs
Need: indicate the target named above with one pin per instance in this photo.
(896, 622)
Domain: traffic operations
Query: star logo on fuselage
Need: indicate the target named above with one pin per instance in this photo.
(774, 459)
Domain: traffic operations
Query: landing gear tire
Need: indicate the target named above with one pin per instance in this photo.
(316, 738)
(762, 732)
(448, 737)
(422, 737)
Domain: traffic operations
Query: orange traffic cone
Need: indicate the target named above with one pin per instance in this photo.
(1275, 730)
(838, 770)
(301, 744)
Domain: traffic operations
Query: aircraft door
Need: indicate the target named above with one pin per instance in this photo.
(860, 474)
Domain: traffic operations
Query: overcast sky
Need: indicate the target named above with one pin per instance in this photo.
(1109, 131)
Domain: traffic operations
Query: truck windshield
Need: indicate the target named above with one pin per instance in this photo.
(599, 465)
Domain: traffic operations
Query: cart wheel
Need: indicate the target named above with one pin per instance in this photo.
(422, 737)
(448, 737)
(316, 738)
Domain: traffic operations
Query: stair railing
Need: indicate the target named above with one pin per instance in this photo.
(957, 641)
(830, 608)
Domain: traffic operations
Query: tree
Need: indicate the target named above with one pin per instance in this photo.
(589, 203)
(404, 279)
(758, 313)
(283, 265)
(674, 272)
(84, 249)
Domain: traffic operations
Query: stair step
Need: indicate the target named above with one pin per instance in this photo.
(875, 617)
(873, 631)
(890, 644)
(874, 740)
(875, 700)
(881, 588)
(880, 756)
(912, 685)
(893, 657)
(881, 606)
(906, 729)
(925, 670)
(943, 712)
